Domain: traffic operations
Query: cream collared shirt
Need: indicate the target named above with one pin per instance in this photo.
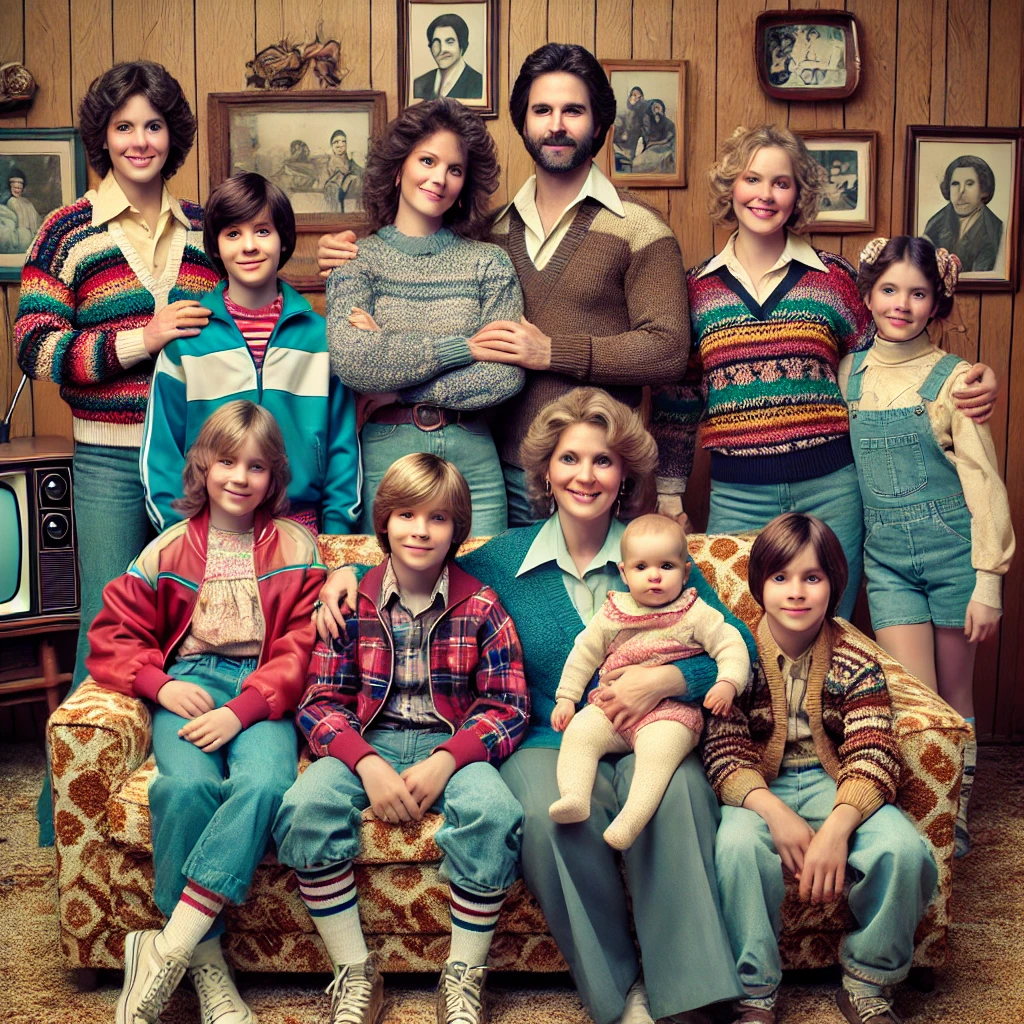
(539, 246)
(438, 90)
(796, 248)
(146, 249)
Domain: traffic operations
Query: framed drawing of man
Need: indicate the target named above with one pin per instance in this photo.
(646, 147)
(449, 49)
(847, 157)
(963, 192)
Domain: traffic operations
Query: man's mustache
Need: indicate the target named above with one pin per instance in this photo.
(560, 140)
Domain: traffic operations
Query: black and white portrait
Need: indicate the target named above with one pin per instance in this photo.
(965, 199)
(448, 51)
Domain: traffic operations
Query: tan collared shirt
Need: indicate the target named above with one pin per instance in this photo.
(797, 248)
(800, 750)
(539, 246)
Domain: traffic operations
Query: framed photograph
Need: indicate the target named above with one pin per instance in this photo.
(449, 49)
(41, 170)
(646, 147)
(848, 158)
(963, 192)
(311, 143)
(807, 55)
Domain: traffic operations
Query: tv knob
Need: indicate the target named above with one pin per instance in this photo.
(56, 527)
(54, 489)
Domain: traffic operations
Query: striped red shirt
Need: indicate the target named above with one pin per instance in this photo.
(256, 325)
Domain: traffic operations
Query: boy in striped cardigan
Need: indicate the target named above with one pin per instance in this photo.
(413, 708)
(807, 767)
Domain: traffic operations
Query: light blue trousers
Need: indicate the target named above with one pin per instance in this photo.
(321, 815)
(212, 812)
(892, 873)
(834, 499)
(520, 511)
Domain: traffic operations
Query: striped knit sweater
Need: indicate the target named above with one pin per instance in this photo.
(763, 378)
(613, 301)
(428, 295)
(850, 716)
(80, 296)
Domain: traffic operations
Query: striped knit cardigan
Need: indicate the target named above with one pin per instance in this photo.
(79, 290)
(850, 715)
(762, 378)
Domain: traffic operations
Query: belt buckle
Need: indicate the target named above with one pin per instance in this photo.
(428, 417)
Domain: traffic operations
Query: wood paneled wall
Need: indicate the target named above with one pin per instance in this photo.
(954, 62)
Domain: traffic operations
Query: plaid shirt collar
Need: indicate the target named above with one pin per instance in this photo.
(389, 588)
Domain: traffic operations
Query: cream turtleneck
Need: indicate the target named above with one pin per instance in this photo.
(893, 371)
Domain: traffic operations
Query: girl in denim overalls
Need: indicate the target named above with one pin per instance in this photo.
(938, 537)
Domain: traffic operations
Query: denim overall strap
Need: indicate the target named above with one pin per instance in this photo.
(899, 463)
(853, 386)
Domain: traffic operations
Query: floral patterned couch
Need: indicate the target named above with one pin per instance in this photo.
(102, 766)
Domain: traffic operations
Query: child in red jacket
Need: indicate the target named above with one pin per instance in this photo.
(212, 622)
(414, 708)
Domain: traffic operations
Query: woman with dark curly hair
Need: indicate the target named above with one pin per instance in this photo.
(400, 315)
(110, 280)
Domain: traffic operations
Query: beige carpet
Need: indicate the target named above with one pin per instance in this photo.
(983, 983)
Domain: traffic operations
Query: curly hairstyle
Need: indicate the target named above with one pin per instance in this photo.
(739, 150)
(918, 252)
(574, 60)
(986, 179)
(469, 215)
(113, 89)
(244, 197)
(224, 433)
(416, 479)
(627, 437)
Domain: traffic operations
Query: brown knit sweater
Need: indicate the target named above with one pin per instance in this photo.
(850, 715)
(613, 300)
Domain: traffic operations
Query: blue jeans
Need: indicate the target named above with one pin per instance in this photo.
(835, 499)
(212, 812)
(892, 873)
(321, 814)
(469, 448)
(520, 511)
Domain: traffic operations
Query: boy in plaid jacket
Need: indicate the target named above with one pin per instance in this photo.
(413, 708)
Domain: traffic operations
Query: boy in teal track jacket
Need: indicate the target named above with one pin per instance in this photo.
(263, 343)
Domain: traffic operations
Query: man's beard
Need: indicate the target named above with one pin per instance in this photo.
(582, 152)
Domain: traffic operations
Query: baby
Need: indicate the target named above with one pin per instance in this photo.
(656, 623)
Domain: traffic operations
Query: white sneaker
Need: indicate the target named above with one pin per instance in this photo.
(149, 979)
(357, 992)
(637, 1009)
(219, 999)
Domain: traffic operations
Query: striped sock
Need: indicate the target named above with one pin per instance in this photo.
(329, 893)
(962, 842)
(474, 916)
(191, 918)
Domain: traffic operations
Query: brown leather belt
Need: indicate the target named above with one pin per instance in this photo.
(426, 417)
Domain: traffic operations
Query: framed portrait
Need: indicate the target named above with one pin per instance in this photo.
(449, 49)
(311, 143)
(646, 146)
(41, 170)
(963, 192)
(848, 159)
(807, 55)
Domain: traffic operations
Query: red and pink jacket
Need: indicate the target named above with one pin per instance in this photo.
(476, 676)
(147, 611)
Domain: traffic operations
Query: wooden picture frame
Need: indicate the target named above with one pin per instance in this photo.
(807, 54)
(52, 162)
(646, 148)
(471, 38)
(949, 170)
(850, 159)
(294, 139)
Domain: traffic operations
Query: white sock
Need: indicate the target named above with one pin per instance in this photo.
(474, 917)
(330, 896)
(191, 919)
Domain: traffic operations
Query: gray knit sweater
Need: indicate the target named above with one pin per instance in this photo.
(428, 295)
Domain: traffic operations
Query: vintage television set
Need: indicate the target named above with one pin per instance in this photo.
(38, 555)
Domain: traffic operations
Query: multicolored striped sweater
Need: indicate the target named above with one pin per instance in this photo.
(762, 379)
(81, 295)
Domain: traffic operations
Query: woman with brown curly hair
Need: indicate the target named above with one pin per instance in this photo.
(771, 318)
(400, 315)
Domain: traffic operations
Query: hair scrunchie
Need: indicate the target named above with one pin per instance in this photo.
(873, 250)
(949, 269)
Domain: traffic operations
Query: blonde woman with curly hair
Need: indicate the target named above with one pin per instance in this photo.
(771, 318)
